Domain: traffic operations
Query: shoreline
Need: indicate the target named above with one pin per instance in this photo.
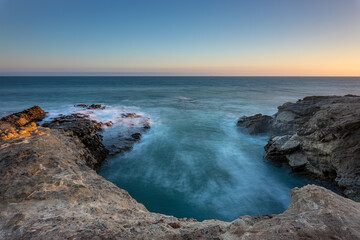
(316, 136)
(49, 189)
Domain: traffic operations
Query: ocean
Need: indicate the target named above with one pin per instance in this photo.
(193, 162)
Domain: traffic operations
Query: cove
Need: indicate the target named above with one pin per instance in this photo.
(193, 162)
(197, 164)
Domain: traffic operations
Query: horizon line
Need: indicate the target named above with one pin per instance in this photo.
(320, 76)
(142, 74)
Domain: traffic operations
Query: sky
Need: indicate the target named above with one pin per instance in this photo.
(182, 37)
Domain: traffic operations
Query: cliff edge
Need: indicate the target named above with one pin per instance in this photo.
(318, 135)
(49, 190)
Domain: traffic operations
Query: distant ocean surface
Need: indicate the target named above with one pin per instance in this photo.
(194, 162)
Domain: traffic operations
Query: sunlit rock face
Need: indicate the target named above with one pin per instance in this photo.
(48, 190)
(316, 135)
(22, 118)
(19, 125)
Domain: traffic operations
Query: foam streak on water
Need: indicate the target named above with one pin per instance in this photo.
(193, 162)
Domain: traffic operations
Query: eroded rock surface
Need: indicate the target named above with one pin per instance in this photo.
(22, 124)
(48, 191)
(22, 118)
(86, 130)
(319, 135)
(256, 124)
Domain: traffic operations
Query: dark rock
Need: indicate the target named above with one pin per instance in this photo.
(129, 115)
(174, 225)
(87, 131)
(92, 106)
(318, 135)
(96, 106)
(147, 125)
(109, 123)
(136, 136)
(81, 105)
(134, 126)
(256, 124)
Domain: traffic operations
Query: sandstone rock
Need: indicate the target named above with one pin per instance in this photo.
(314, 213)
(319, 135)
(22, 118)
(9, 130)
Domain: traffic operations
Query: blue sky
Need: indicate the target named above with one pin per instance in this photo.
(197, 37)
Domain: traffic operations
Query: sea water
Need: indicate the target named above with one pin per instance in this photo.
(194, 161)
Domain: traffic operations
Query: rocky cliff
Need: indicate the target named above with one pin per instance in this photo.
(49, 190)
(317, 135)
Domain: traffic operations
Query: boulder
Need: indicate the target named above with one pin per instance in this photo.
(109, 123)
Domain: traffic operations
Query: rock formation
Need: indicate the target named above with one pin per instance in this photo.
(86, 130)
(91, 106)
(22, 118)
(48, 190)
(133, 127)
(317, 135)
(21, 124)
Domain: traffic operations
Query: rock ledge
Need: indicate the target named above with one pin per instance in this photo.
(318, 135)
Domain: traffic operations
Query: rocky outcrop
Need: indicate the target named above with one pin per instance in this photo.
(256, 124)
(86, 130)
(91, 106)
(48, 190)
(22, 118)
(22, 124)
(317, 135)
(133, 127)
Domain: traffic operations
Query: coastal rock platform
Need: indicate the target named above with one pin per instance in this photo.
(318, 136)
(50, 190)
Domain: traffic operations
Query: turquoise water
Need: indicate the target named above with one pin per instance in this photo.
(193, 162)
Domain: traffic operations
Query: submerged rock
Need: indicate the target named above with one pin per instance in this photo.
(48, 190)
(318, 135)
(133, 126)
(129, 115)
(92, 106)
(109, 123)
